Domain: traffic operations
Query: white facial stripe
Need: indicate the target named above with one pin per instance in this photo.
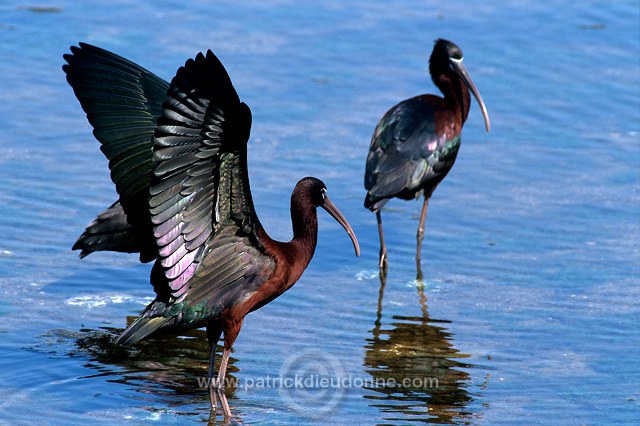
(457, 61)
(323, 191)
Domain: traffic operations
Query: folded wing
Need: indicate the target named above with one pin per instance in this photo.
(407, 152)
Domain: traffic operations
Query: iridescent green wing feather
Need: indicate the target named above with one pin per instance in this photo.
(406, 152)
(123, 102)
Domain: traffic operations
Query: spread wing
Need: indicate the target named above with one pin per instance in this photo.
(407, 152)
(203, 218)
(123, 102)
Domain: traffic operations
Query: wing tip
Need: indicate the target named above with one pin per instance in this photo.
(374, 204)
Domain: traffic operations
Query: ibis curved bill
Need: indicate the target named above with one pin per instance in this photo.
(337, 215)
(457, 66)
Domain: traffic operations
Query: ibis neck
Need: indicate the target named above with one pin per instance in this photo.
(456, 95)
(305, 235)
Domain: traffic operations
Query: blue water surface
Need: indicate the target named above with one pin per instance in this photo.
(529, 310)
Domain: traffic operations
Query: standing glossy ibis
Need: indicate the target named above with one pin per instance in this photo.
(416, 142)
(178, 157)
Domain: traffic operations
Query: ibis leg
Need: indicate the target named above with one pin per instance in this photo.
(383, 283)
(211, 379)
(231, 330)
(383, 247)
(213, 335)
(220, 382)
(420, 236)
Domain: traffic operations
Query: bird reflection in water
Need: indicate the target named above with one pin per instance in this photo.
(167, 367)
(416, 375)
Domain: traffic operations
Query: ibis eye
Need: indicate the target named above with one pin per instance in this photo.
(454, 63)
(323, 192)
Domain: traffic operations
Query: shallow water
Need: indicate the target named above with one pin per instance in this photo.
(530, 307)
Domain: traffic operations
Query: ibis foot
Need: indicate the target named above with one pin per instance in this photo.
(216, 392)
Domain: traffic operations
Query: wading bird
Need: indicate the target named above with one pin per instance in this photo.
(178, 157)
(416, 142)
